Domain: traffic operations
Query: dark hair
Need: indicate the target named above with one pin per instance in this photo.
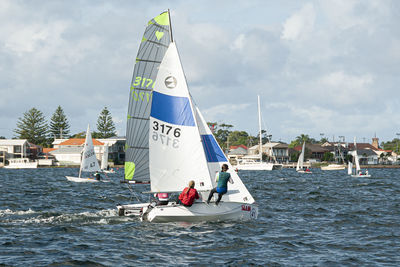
(225, 166)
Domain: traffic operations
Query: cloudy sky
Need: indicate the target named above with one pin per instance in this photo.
(327, 67)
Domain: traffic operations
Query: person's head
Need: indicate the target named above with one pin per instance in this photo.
(191, 184)
(224, 167)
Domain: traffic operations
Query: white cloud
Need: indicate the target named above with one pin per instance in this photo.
(299, 25)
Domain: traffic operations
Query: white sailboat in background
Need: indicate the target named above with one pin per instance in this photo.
(300, 161)
(180, 147)
(89, 161)
(255, 163)
(356, 162)
(104, 161)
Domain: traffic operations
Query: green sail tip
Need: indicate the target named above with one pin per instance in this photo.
(129, 170)
(162, 19)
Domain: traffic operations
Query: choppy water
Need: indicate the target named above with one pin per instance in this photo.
(325, 219)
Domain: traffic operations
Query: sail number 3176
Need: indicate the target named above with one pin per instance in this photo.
(166, 134)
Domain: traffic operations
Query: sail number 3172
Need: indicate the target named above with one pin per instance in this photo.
(166, 134)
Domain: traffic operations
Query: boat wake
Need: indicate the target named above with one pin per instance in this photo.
(82, 218)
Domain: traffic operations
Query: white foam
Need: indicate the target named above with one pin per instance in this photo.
(19, 212)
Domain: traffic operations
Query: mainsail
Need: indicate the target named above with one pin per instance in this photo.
(300, 162)
(104, 158)
(176, 150)
(89, 161)
(155, 42)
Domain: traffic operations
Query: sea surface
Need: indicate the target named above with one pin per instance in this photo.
(320, 219)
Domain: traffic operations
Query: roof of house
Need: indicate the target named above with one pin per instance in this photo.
(12, 142)
(48, 149)
(79, 142)
(362, 146)
(314, 148)
(235, 147)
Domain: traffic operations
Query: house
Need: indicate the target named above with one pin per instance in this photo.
(236, 152)
(15, 148)
(69, 151)
(116, 148)
(317, 151)
(274, 149)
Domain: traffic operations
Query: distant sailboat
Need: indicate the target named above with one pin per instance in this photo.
(180, 146)
(300, 161)
(104, 161)
(356, 162)
(89, 161)
(255, 163)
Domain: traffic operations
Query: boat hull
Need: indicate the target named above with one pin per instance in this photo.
(362, 176)
(259, 167)
(81, 180)
(333, 167)
(301, 171)
(201, 212)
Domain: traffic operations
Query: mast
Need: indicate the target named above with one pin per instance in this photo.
(259, 127)
(170, 26)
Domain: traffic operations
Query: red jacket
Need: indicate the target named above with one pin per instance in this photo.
(187, 198)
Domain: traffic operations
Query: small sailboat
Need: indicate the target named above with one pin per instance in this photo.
(104, 161)
(173, 143)
(300, 161)
(356, 162)
(89, 161)
(255, 163)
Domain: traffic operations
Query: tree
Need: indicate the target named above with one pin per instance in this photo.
(105, 124)
(221, 132)
(323, 140)
(238, 138)
(59, 124)
(33, 127)
(300, 139)
(328, 156)
(2, 137)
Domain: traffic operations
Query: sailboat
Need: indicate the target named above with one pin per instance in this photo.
(89, 161)
(356, 162)
(255, 163)
(104, 161)
(176, 145)
(300, 161)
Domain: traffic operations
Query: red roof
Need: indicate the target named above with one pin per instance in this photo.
(48, 149)
(79, 142)
(235, 147)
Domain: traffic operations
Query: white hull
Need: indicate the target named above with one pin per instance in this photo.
(81, 180)
(198, 212)
(333, 167)
(108, 171)
(259, 167)
(362, 175)
(201, 212)
(22, 164)
(301, 171)
(131, 209)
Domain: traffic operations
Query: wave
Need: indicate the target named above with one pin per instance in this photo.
(98, 217)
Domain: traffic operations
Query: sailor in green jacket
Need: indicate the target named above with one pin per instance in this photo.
(222, 178)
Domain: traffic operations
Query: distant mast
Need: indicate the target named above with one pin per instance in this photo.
(259, 127)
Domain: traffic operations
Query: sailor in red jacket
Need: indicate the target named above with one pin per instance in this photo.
(188, 195)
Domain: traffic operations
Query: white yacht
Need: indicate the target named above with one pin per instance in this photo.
(21, 163)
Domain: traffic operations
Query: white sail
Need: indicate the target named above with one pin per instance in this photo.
(300, 161)
(104, 158)
(355, 157)
(89, 161)
(237, 192)
(176, 153)
(350, 168)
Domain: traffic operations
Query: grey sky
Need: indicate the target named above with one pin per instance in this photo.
(319, 66)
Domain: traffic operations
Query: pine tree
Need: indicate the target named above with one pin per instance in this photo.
(33, 127)
(105, 124)
(59, 124)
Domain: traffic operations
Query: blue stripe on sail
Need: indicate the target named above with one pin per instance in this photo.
(172, 109)
(213, 151)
